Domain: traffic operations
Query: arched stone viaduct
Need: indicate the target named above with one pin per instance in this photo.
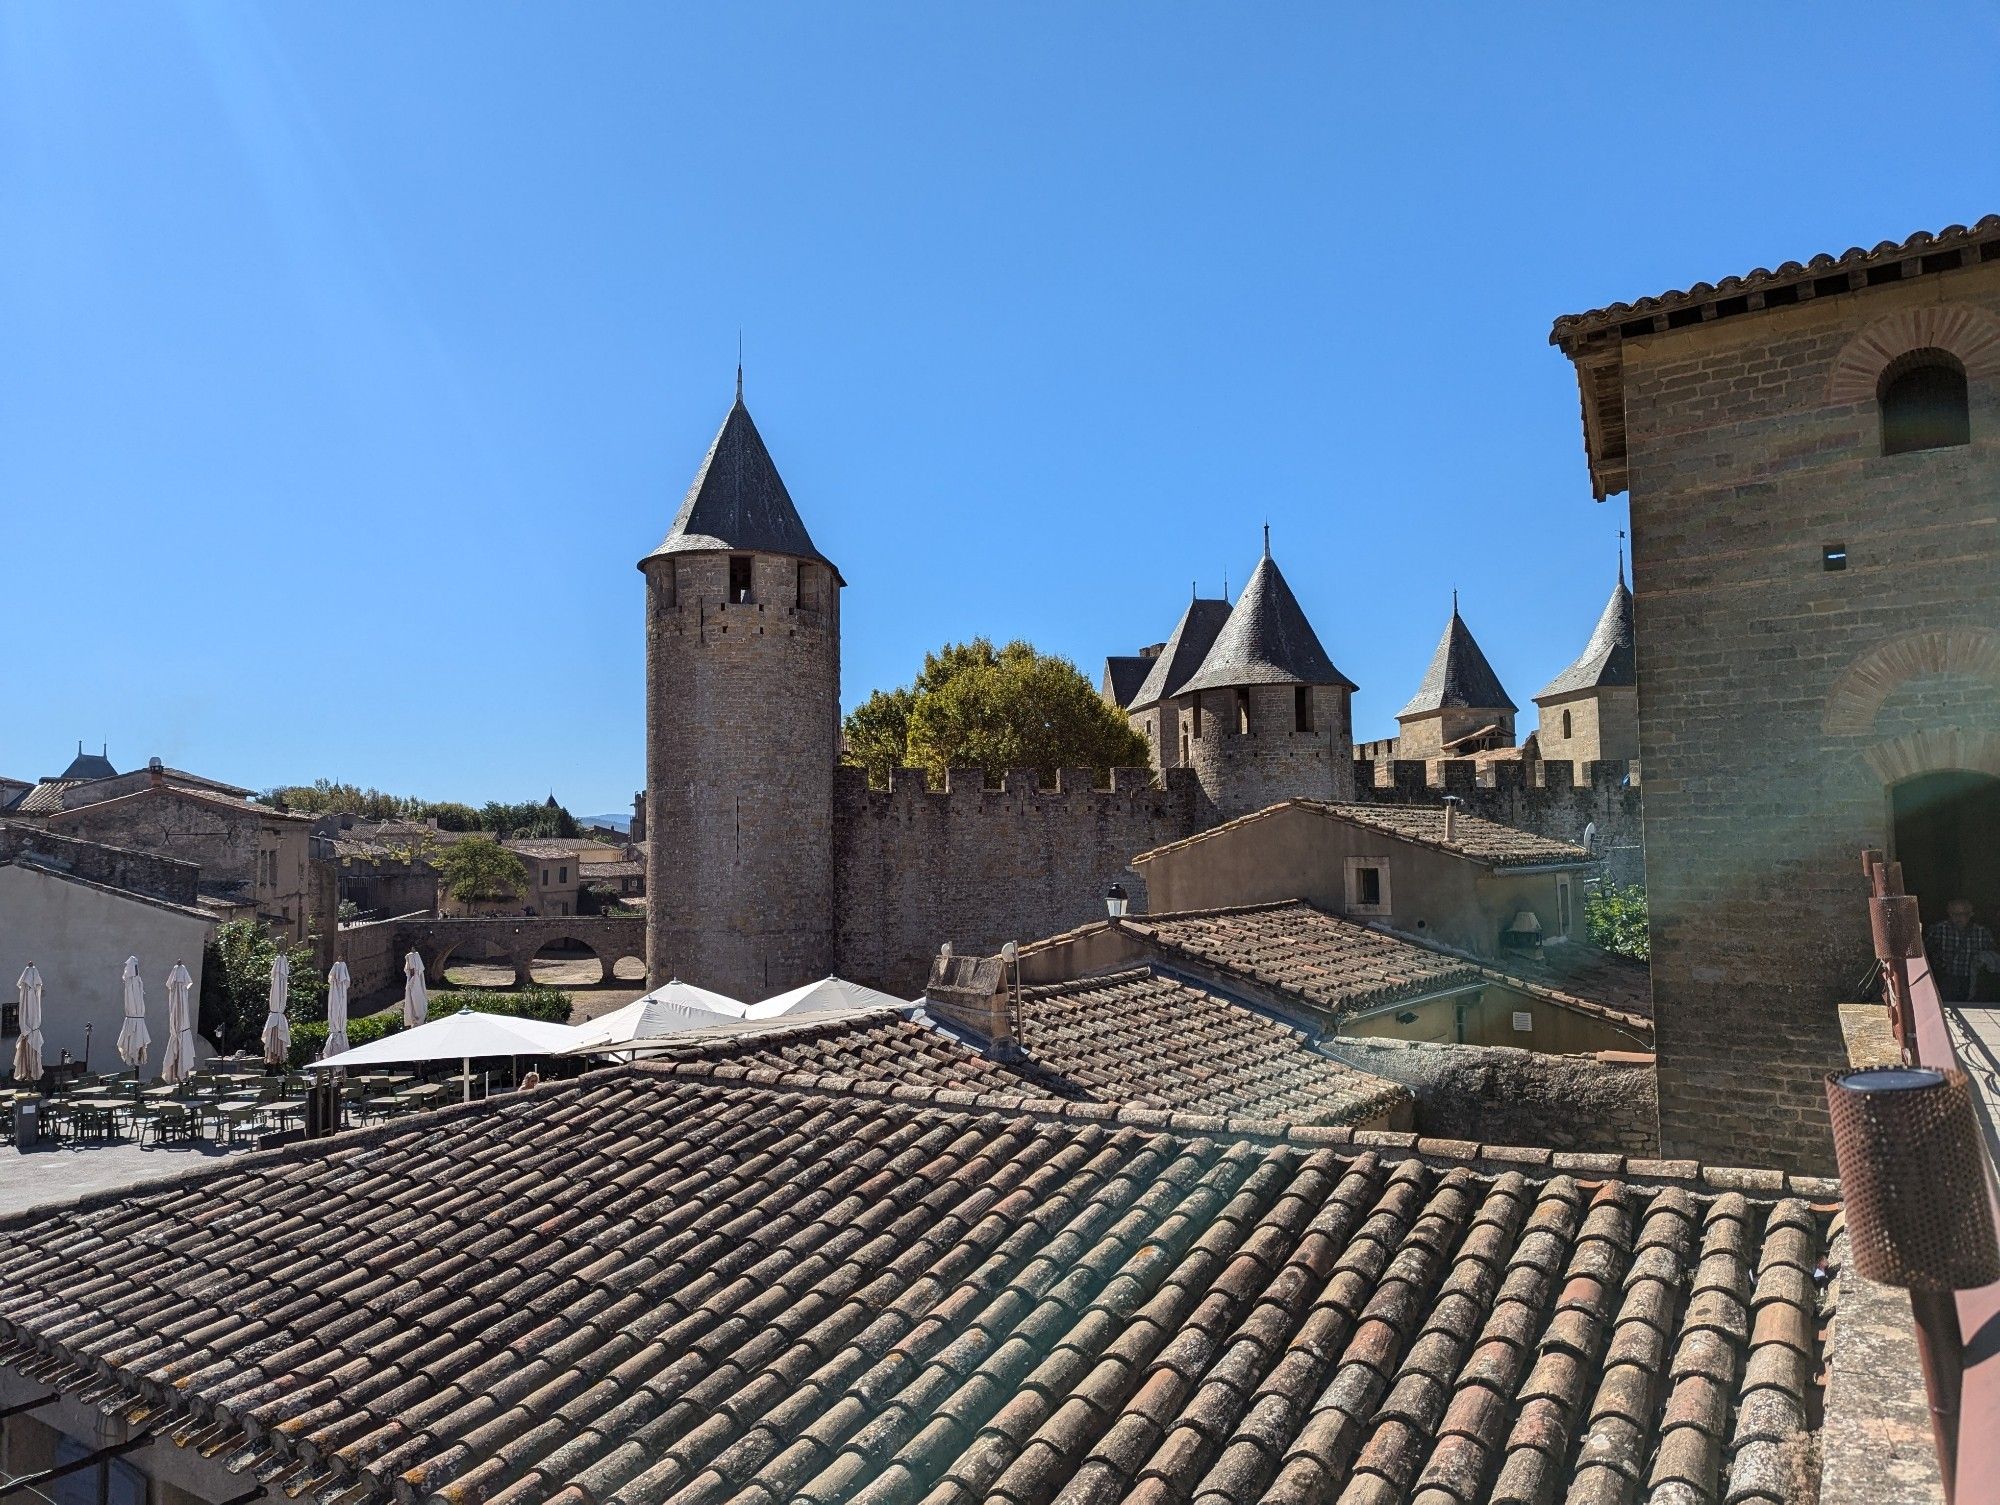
(518, 938)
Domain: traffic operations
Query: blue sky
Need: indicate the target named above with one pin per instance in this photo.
(352, 354)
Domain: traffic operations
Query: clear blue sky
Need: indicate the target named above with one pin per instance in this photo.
(352, 354)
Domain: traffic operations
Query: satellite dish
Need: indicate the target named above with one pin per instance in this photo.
(1590, 836)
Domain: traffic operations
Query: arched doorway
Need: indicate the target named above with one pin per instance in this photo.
(1947, 836)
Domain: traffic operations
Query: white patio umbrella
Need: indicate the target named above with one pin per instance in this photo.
(28, 1049)
(132, 1036)
(416, 1002)
(828, 993)
(337, 982)
(177, 1065)
(458, 1037)
(674, 1008)
(277, 1029)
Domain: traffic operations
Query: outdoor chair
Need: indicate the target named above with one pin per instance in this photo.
(169, 1120)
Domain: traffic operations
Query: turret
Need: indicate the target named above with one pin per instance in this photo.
(1266, 717)
(1590, 711)
(1461, 708)
(1152, 708)
(742, 731)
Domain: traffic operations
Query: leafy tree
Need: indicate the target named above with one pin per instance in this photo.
(480, 868)
(325, 797)
(1616, 918)
(236, 986)
(975, 706)
(450, 815)
(528, 819)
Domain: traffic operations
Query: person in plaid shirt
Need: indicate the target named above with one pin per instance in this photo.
(1958, 945)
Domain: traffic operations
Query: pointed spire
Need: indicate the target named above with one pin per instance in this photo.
(1607, 659)
(1621, 556)
(1186, 647)
(738, 501)
(1266, 641)
(1267, 539)
(739, 367)
(1459, 676)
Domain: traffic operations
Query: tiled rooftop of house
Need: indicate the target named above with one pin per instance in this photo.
(1142, 1037)
(1336, 964)
(1483, 841)
(701, 1284)
(1134, 1037)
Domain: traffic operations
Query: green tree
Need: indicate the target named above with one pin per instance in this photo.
(236, 986)
(480, 868)
(1616, 918)
(975, 706)
(325, 797)
(450, 815)
(527, 819)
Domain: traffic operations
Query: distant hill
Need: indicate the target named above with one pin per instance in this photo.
(615, 822)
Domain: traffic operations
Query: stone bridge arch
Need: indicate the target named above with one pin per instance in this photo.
(519, 938)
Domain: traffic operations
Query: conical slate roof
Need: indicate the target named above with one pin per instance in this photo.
(1459, 676)
(738, 501)
(89, 766)
(1266, 641)
(1176, 664)
(1607, 658)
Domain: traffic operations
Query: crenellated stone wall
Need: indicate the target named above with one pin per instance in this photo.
(979, 866)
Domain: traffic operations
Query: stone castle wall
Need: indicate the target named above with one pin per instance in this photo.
(1559, 801)
(138, 872)
(1242, 771)
(1779, 701)
(980, 866)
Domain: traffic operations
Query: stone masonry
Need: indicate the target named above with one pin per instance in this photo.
(1816, 622)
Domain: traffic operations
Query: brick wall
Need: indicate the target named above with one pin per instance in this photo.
(1499, 1095)
(1559, 801)
(1754, 442)
(117, 867)
(978, 866)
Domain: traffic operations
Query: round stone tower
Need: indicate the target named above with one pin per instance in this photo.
(1266, 717)
(742, 732)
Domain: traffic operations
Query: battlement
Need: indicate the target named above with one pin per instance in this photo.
(1465, 776)
(909, 785)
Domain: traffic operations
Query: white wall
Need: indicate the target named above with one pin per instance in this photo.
(78, 936)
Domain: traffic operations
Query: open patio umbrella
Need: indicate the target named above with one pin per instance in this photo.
(277, 1029)
(132, 1036)
(458, 1037)
(674, 1008)
(177, 1065)
(28, 1049)
(337, 982)
(827, 993)
(416, 1002)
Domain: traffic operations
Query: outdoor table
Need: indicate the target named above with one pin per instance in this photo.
(284, 1110)
(418, 1096)
(93, 1117)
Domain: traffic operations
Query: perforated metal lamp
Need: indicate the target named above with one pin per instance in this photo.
(1116, 900)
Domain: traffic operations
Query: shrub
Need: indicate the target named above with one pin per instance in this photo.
(1617, 920)
(551, 1005)
(309, 1038)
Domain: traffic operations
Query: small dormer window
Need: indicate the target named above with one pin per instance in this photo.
(739, 577)
(1924, 403)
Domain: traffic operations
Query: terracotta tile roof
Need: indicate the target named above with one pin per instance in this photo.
(1483, 841)
(1583, 976)
(661, 1284)
(1332, 964)
(547, 846)
(1954, 241)
(1142, 1037)
(1133, 1037)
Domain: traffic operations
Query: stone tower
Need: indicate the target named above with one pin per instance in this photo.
(1590, 711)
(1461, 707)
(1266, 717)
(742, 731)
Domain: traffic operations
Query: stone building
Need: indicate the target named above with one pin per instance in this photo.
(1590, 711)
(1460, 708)
(1812, 456)
(742, 731)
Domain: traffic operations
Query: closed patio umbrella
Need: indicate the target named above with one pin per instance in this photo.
(416, 1002)
(277, 1029)
(177, 1065)
(28, 1049)
(132, 1036)
(337, 982)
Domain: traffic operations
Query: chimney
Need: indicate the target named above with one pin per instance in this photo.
(156, 774)
(971, 992)
(1451, 804)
